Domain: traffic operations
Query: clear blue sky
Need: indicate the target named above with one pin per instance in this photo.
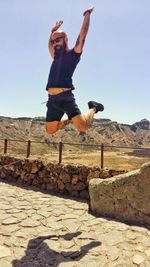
(115, 64)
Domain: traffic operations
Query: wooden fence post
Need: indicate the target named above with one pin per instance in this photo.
(5, 146)
(28, 148)
(60, 152)
(102, 156)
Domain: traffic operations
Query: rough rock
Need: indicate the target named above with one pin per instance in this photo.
(67, 179)
(125, 197)
(4, 251)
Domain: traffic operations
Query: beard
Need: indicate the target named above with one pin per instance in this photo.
(60, 49)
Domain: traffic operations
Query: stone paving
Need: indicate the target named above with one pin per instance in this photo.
(38, 229)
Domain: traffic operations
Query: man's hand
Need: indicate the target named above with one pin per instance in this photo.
(57, 26)
(89, 10)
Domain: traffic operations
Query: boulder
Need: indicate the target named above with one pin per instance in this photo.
(125, 197)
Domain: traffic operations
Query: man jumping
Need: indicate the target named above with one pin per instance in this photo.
(59, 86)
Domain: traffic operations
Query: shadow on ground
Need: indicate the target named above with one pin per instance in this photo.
(39, 254)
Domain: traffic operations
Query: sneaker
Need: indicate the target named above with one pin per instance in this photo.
(98, 106)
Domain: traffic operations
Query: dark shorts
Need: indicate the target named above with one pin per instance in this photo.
(58, 105)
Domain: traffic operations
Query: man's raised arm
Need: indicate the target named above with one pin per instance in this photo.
(83, 32)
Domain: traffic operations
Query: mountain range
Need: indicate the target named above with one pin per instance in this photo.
(101, 131)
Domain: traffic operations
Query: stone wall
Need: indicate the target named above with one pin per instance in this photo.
(125, 197)
(67, 179)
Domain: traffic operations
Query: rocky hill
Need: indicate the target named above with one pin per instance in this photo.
(102, 131)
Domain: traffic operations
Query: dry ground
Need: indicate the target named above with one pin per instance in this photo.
(112, 160)
(123, 159)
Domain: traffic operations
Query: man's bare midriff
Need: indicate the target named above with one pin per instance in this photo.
(57, 91)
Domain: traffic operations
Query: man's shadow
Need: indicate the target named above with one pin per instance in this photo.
(39, 254)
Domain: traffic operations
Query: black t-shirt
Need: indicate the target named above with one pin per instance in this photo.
(62, 69)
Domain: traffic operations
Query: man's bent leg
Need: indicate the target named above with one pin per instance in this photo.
(82, 122)
(63, 123)
(90, 115)
(53, 126)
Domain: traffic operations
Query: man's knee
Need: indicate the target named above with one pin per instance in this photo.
(51, 127)
(80, 123)
(82, 127)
